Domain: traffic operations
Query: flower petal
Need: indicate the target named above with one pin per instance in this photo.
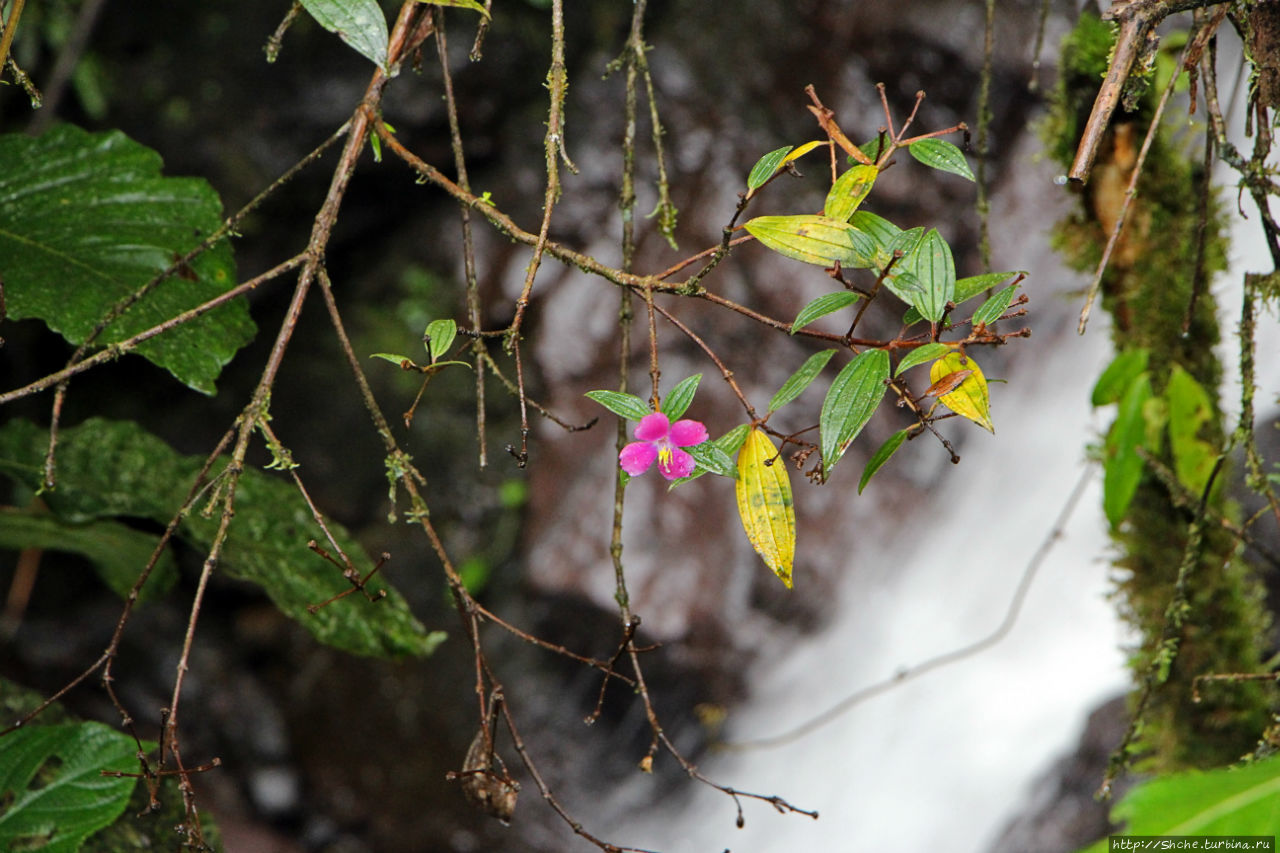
(679, 464)
(653, 427)
(637, 456)
(688, 433)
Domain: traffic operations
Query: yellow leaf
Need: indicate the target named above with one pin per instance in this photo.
(969, 397)
(765, 503)
(803, 150)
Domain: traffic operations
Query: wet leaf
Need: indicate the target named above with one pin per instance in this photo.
(850, 402)
(942, 155)
(727, 443)
(849, 191)
(800, 380)
(765, 503)
(359, 23)
(711, 458)
(970, 399)
(814, 240)
(921, 354)
(822, 306)
(882, 455)
(678, 398)
(627, 406)
(933, 265)
(88, 219)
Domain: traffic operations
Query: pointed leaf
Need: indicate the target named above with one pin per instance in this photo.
(765, 503)
(798, 381)
(711, 458)
(932, 264)
(971, 286)
(52, 792)
(813, 240)
(993, 309)
(921, 354)
(1119, 375)
(396, 359)
(440, 335)
(764, 168)
(118, 552)
(822, 306)
(728, 444)
(848, 192)
(1190, 412)
(359, 23)
(882, 455)
(114, 468)
(1122, 466)
(804, 149)
(627, 406)
(941, 154)
(851, 401)
(678, 398)
(86, 220)
(970, 399)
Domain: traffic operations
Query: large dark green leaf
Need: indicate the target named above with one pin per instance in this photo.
(117, 551)
(359, 23)
(114, 468)
(934, 267)
(86, 220)
(851, 401)
(52, 793)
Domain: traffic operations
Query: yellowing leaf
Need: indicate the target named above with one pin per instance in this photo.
(969, 399)
(804, 149)
(765, 503)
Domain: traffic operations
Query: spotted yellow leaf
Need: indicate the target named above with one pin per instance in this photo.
(966, 397)
(765, 503)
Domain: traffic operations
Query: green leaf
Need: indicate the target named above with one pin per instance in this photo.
(798, 381)
(678, 398)
(1190, 411)
(52, 793)
(921, 354)
(114, 468)
(1228, 801)
(461, 4)
(394, 358)
(1119, 375)
(882, 455)
(993, 309)
(86, 220)
(727, 443)
(822, 306)
(359, 23)
(627, 406)
(941, 154)
(1122, 466)
(849, 191)
(117, 551)
(933, 265)
(764, 168)
(814, 240)
(971, 286)
(851, 401)
(440, 335)
(711, 458)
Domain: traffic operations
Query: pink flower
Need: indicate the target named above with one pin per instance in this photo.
(661, 440)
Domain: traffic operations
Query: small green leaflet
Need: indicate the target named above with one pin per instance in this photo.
(882, 455)
(822, 306)
(627, 406)
(729, 444)
(814, 240)
(439, 337)
(921, 354)
(711, 458)
(1190, 411)
(1118, 375)
(800, 380)
(359, 23)
(678, 398)
(851, 401)
(764, 168)
(849, 191)
(994, 307)
(941, 154)
(1122, 466)
(971, 286)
